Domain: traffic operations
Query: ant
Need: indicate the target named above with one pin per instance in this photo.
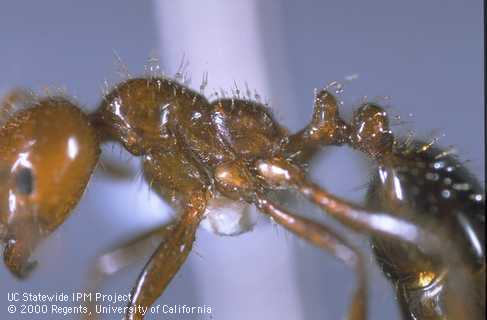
(424, 211)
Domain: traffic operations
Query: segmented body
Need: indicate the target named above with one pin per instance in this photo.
(195, 151)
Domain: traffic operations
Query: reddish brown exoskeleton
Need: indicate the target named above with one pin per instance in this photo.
(425, 213)
(48, 151)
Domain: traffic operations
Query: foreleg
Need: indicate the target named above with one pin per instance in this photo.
(167, 259)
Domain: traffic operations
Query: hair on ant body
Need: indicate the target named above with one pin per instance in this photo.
(424, 212)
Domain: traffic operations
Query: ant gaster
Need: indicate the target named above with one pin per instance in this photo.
(424, 212)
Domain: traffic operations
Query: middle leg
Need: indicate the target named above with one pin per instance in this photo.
(235, 181)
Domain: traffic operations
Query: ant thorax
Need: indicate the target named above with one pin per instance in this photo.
(247, 127)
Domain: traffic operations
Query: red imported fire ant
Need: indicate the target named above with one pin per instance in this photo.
(424, 212)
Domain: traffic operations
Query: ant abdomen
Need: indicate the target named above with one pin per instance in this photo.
(419, 181)
(47, 154)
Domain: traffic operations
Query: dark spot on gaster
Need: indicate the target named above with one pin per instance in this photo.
(24, 181)
(415, 190)
(432, 176)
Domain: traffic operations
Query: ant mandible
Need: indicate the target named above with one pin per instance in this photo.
(424, 211)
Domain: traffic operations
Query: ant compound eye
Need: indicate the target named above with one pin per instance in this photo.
(24, 181)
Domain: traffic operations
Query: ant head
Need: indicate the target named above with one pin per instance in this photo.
(47, 154)
(370, 131)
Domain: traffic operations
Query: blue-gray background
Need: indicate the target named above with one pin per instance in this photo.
(425, 56)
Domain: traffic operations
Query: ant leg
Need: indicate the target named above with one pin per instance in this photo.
(131, 251)
(322, 237)
(167, 259)
(358, 218)
(119, 258)
(172, 174)
(326, 128)
(235, 181)
(280, 172)
(431, 239)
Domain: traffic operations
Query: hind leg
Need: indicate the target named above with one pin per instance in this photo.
(431, 239)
